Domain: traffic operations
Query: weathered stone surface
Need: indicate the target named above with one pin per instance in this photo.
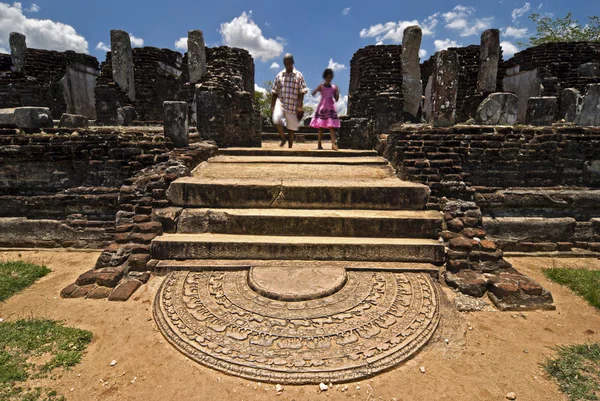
(137, 262)
(488, 61)
(589, 70)
(18, 50)
(525, 85)
(124, 290)
(467, 303)
(468, 282)
(122, 62)
(99, 292)
(293, 338)
(72, 121)
(26, 117)
(590, 108)
(445, 88)
(196, 56)
(356, 133)
(530, 229)
(498, 109)
(81, 291)
(570, 104)
(176, 123)
(412, 87)
(512, 291)
(79, 85)
(542, 111)
(126, 115)
(68, 290)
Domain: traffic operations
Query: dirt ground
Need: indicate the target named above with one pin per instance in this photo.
(487, 355)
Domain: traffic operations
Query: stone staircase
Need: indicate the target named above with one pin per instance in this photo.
(302, 206)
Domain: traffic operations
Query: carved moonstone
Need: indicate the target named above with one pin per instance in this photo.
(412, 87)
(488, 61)
(122, 62)
(196, 56)
(18, 50)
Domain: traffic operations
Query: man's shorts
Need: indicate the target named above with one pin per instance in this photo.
(282, 117)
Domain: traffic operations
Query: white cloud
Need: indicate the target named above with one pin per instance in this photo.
(342, 106)
(444, 44)
(3, 50)
(41, 34)
(513, 32)
(346, 10)
(275, 66)
(182, 44)
(34, 8)
(422, 53)
(259, 89)
(540, 6)
(508, 49)
(244, 33)
(103, 47)
(519, 12)
(459, 12)
(460, 19)
(335, 66)
(394, 31)
(136, 42)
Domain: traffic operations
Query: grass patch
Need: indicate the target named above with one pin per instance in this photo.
(583, 282)
(16, 276)
(576, 369)
(33, 349)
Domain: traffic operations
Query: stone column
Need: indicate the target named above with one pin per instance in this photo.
(488, 61)
(196, 56)
(176, 123)
(122, 62)
(18, 50)
(445, 88)
(412, 87)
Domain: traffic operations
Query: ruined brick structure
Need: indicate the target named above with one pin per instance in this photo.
(376, 85)
(61, 81)
(225, 99)
(158, 78)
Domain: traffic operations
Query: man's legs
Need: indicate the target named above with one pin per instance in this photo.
(293, 125)
(281, 135)
(278, 115)
(291, 134)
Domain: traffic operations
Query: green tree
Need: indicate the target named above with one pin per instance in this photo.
(263, 99)
(567, 29)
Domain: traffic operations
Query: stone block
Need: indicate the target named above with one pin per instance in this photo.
(126, 115)
(590, 107)
(488, 61)
(498, 109)
(18, 50)
(73, 121)
(196, 56)
(468, 282)
(124, 290)
(26, 117)
(445, 88)
(542, 111)
(570, 104)
(176, 123)
(412, 87)
(525, 85)
(530, 229)
(589, 70)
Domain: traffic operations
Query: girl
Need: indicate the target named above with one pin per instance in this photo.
(326, 114)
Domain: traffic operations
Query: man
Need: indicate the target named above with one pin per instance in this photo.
(289, 89)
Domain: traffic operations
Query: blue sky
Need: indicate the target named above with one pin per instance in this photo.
(318, 33)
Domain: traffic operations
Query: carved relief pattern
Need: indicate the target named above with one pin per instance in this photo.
(377, 320)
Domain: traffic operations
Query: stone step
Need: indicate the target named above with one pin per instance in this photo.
(334, 223)
(195, 265)
(225, 246)
(390, 193)
(298, 150)
(308, 136)
(351, 161)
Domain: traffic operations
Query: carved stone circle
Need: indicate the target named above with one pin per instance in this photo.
(373, 322)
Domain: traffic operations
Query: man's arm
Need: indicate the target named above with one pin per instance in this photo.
(274, 93)
(303, 91)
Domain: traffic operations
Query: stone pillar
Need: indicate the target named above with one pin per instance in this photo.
(18, 50)
(122, 62)
(176, 123)
(445, 88)
(590, 108)
(488, 61)
(412, 87)
(196, 56)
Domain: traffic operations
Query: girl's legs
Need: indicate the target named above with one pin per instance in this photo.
(332, 133)
(320, 138)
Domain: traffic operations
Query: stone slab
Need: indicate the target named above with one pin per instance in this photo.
(542, 111)
(297, 151)
(530, 229)
(498, 109)
(224, 246)
(231, 193)
(347, 223)
(525, 85)
(357, 161)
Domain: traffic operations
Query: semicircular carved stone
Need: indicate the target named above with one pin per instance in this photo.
(376, 321)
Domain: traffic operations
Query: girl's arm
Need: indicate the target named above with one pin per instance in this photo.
(337, 94)
(317, 89)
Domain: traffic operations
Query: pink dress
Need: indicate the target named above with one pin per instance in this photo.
(326, 114)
